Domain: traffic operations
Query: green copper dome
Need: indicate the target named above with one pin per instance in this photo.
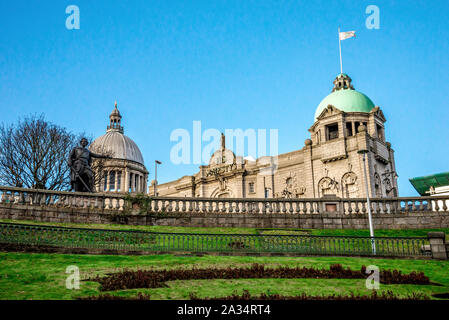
(345, 98)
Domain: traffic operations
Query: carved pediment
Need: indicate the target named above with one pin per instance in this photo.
(378, 112)
(330, 110)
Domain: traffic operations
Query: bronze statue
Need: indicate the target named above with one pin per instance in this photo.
(80, 164)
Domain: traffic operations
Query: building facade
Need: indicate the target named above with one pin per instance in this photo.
(330, 163)
(125, 172)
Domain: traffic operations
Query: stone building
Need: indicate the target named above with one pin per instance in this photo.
(346, 121)
(124, 173)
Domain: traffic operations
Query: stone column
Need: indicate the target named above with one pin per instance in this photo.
(122, 183)
(107, 180)
(116, 180)
(437, 245)
(126, 182)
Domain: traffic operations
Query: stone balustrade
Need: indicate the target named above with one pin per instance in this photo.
(219, 206)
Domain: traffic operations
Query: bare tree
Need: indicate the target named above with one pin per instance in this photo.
(33, 154)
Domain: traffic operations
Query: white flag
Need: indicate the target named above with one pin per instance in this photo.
(346, 35)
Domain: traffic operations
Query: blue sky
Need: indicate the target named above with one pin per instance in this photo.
(229, 64)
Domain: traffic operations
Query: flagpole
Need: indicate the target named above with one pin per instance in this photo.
(339, 47)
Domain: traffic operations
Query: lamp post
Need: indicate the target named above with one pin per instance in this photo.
(156, 162)
(370, 220)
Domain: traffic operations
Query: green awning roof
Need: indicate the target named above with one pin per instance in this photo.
(423, 184)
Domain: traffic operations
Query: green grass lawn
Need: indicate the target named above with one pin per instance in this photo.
(42, 276)
(317, 232)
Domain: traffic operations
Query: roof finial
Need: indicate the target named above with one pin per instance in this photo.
(115, 104)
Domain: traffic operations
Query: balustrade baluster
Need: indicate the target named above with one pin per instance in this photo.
(237, 207)
(224, 208)
(444, 205)
(183, 208)
(377, 203)
(312, 207)
(190, 206)
(349, 211)
(21, 198)
(197, 206)
(243, 207)
(218, 208)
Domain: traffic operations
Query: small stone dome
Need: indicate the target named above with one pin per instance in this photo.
(222, 155)
(345, 98)
(121, 146)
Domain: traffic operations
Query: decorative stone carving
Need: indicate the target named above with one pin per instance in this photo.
(377, 185)
(291, 188)
(328, 185)
(389, 189)
(218, 175)
(349, 184)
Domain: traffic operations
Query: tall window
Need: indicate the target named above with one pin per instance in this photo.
(105, 181)
(130, 183)
(112, 181)
(119, 180)
(251, 187)
(349, 129)
(267, 192)
(332, 131)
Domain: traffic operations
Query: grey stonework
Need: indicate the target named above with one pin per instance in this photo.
(326, 220)
(325, 164)
(438, 245)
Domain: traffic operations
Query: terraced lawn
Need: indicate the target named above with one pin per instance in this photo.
(42, 276)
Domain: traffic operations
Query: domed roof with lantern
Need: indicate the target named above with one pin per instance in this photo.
(116, 142)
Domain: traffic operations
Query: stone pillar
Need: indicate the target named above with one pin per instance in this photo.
(107, 180)
(116, 181)
(126, 182)
(437, 245)
(122, 183)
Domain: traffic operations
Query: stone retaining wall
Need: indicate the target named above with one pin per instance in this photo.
(327, 220)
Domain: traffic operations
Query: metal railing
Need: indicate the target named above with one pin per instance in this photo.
(140, 241)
